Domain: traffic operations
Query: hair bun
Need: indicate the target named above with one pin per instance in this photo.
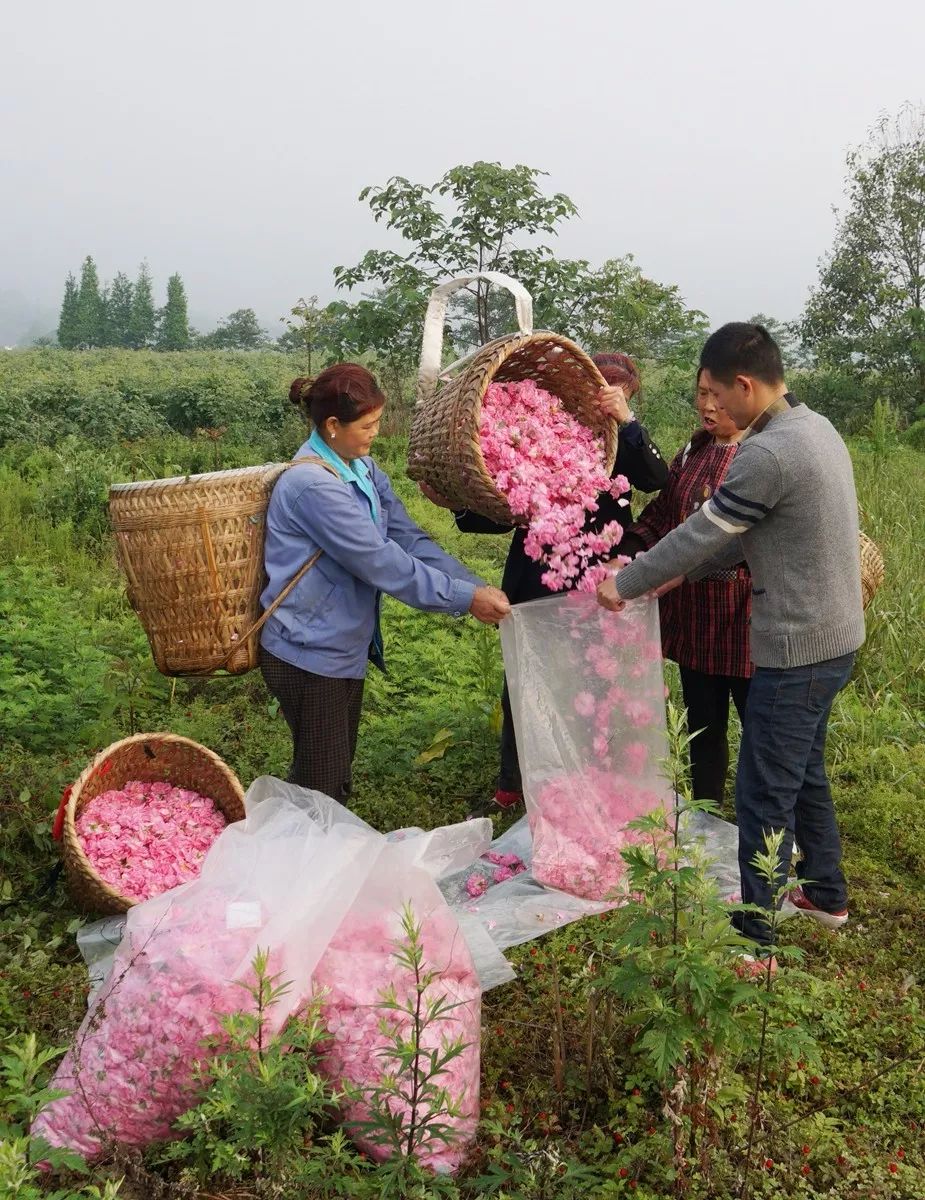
(298, 389)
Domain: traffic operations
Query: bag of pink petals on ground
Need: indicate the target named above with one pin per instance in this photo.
(323, 892)
(275, 881)
(588, 700)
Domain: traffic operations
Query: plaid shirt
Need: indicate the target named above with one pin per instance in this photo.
(704, 624)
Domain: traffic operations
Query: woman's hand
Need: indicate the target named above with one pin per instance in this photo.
(490, 605)
(612, 402)
(434, 497)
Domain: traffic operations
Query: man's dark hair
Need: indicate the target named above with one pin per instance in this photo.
(742, 349)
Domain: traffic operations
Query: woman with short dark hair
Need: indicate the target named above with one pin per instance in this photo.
(339, 507)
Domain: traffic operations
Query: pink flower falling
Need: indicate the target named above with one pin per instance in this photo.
(146, 838)
(550, 469)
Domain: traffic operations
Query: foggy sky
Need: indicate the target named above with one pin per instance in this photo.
(228, 141)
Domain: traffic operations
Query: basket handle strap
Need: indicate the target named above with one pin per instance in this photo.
(299, 575)
(435, 320)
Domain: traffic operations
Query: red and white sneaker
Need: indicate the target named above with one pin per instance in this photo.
(750, 966)
(508, 799)
(802, 903)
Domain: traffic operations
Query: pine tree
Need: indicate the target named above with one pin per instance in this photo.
(119, 311)
(143, 322)
(68, 337)
(173, 333)
(89, 307)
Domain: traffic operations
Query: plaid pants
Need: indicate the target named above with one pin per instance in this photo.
(323, 715)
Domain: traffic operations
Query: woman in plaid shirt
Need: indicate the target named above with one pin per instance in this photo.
(704, 624)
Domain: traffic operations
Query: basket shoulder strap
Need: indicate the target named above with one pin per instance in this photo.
(299, 575)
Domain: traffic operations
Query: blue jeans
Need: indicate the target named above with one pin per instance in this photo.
(781, 784)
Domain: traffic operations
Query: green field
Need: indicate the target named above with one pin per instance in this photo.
(75, 675)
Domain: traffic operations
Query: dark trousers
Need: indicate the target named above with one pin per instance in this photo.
(706, 698)
(323, 715)
(781, 784)
(509, 774)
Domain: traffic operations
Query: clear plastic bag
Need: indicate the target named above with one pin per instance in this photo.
(308, 881)
(587, 696)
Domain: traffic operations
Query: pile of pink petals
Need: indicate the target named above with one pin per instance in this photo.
(133, 1067)
(506, 866)
(550, 469)
(146, 838)
(356, 968)
(579, 828)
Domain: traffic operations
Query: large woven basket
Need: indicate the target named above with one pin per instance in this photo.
(445, 449)
(872, 569)
(192, 550)
(150, 757)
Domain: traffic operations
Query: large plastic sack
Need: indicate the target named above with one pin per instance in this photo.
(323, 892)
(361, 966)
(587, 696)
(276, 881)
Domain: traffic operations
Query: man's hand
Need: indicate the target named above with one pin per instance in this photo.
(434, 497)
(612, 402)
(490, 605)
(608, 596)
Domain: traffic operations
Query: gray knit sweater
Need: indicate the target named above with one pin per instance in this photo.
(789, 508)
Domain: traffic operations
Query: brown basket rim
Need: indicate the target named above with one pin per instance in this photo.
(73, 852)
(490, 358)
(194, 480)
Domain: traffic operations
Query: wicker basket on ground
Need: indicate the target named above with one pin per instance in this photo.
(150, 757)
(445, 449)
(872, 569)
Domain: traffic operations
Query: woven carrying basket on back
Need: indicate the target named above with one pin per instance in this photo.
(872, 569)
(445, 449)
(152, 758)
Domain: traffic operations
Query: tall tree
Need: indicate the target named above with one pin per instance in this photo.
(142, 328)
(488, 217)
(240, 330)
(490, 208)
(89, 307)
(173, 331)
(68, 330)
(119, 311)
(866, 314)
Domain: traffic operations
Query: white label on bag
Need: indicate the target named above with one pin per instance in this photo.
(243, 914)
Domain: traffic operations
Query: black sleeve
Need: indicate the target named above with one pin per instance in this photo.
(472, 522)
(639, 459)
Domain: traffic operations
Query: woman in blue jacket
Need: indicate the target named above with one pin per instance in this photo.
(316, 645)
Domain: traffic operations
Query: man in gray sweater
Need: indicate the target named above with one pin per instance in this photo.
(789, 509)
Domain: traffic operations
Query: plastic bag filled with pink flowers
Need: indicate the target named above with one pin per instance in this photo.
(323, 892)
(276, 881)
(588, 699)
(360, 965)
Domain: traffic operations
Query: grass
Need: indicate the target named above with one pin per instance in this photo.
(858, 992)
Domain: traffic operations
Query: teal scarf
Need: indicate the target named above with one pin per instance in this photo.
(355, 471)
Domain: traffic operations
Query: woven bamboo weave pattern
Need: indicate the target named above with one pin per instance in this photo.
(445, 449)
(150, 757)
(192, 551)
(872, 569)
